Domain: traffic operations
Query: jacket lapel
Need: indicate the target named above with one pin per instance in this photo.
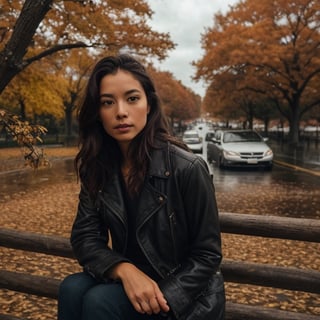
(150, 202)
(151, 199)
(113, 198)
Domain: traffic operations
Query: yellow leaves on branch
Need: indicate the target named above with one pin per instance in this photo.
(25, 133)
(26, 136)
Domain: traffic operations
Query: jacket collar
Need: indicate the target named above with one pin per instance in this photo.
(160, 161)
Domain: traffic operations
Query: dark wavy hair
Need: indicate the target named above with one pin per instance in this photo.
(99, 154)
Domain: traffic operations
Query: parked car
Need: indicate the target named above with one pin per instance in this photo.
(209, 135)
(239, 148)
(193, 140)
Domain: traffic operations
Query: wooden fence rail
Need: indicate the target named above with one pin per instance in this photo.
(233, 271)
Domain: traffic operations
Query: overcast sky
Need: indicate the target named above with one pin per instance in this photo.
(185, 20)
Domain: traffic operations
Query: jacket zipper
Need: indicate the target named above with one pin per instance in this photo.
(172, 221)
(145, 253)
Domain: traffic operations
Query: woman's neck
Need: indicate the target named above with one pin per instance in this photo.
(125, 171)
(125, 168)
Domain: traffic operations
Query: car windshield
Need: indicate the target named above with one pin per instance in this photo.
(191, 136)
(245, 136)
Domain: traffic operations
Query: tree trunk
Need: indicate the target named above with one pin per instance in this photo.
(294, 123)
(266, 121)
(11, 57)
(22, 109)
(68, 121)
(69, 106)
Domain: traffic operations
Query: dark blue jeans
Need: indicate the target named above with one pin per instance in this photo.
(81, 297)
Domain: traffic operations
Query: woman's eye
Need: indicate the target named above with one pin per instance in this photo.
(133, 99)
(106, 103)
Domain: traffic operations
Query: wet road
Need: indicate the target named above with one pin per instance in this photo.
(283, 191)
(290, 189)
(235, 178)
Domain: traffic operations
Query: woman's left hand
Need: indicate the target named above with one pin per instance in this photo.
(143, 292)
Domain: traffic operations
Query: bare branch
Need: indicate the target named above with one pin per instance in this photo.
(58, 48)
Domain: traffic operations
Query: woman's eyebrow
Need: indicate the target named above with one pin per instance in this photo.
(132, 91)
(106, 95)
(110, 95)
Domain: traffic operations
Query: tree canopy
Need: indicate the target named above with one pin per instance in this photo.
(178, 101)
(32, 30)
(268, 48)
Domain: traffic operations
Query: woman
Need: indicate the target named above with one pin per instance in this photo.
(144, 191)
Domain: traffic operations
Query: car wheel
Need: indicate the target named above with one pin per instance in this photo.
(268, 167)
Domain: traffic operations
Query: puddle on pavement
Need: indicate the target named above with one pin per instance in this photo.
(27, 179)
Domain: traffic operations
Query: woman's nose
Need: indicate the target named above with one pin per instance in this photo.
(122, 111)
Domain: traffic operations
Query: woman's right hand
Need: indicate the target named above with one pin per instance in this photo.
(143, 292)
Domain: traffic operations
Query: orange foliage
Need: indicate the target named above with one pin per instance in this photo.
(178, 101)
(269, 48)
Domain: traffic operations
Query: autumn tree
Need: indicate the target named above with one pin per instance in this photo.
(227, 99)
(179, 102)
(72, 71)
(32, 30)
(31, 93)
(223, 100)
(274, 48)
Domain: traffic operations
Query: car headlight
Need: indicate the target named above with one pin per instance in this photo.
(268, 153)
(230, 153)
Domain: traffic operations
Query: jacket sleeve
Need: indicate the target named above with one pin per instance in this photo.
(204, 255)
(89, 239)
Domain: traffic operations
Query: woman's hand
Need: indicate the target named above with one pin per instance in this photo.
(143, 292)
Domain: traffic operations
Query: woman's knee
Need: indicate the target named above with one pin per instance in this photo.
(67, 286)
(100, 296)
(106, 301)
(75, 285)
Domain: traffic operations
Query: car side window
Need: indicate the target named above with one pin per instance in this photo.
(228, 137)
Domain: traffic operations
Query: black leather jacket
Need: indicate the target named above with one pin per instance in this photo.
(177, 229)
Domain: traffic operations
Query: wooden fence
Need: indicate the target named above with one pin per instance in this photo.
(233, 271)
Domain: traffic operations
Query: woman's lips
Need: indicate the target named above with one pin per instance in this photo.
(123, 127)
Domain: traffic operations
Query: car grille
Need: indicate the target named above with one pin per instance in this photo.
(251, 155)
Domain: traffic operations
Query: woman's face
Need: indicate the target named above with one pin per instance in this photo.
(123, 107)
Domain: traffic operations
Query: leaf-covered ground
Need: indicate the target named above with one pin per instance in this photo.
(51, 210)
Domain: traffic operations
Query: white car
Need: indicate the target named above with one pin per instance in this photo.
(239, 148)
(193, 140)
